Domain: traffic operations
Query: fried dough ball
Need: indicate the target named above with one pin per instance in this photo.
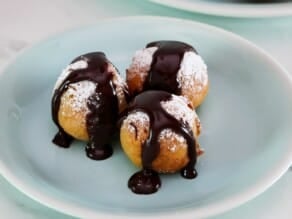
(73, 108)
(171, 66)
(173, 151)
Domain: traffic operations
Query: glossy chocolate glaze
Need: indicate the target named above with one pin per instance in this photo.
(165, 65)
(144, 182)
(102, 105)
(147, 181)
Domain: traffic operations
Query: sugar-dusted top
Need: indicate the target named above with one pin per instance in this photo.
(193, 72)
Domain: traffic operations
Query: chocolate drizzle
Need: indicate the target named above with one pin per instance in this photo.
(147, 181)
(102, 105)
(165, 66)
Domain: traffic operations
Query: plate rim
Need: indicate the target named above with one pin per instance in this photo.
(83, 212)
(235, 11)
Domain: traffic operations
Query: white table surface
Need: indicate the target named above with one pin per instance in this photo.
(24, 22)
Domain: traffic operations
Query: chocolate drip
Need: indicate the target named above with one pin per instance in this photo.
(147, 181)
(165, 66)
(144, 182)
(62, 139)
(102, 105)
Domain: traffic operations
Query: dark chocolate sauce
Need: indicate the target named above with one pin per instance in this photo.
(147, 181)
(62, 139)
(165, 65)
(144, 182)
(102, 105)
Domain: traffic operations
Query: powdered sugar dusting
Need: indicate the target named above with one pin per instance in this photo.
(192, 72)
(136, 119)
(120, 85)
(78, 65)
(141, 61)
(77, 94)
(140, 120)
(171, 136)
(177, 106)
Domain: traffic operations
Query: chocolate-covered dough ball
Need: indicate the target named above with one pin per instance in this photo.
(159, 133)
(88, 96)
(172, 66)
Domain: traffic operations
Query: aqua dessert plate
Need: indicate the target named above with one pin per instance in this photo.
(246, 118)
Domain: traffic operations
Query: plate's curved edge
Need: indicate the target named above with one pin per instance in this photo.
(232, 202)
(190, 22)
(76, 211)
(235, 11)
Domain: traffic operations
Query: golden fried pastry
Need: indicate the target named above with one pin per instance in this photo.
(171, 66)
(159, 133)
(88, 97)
